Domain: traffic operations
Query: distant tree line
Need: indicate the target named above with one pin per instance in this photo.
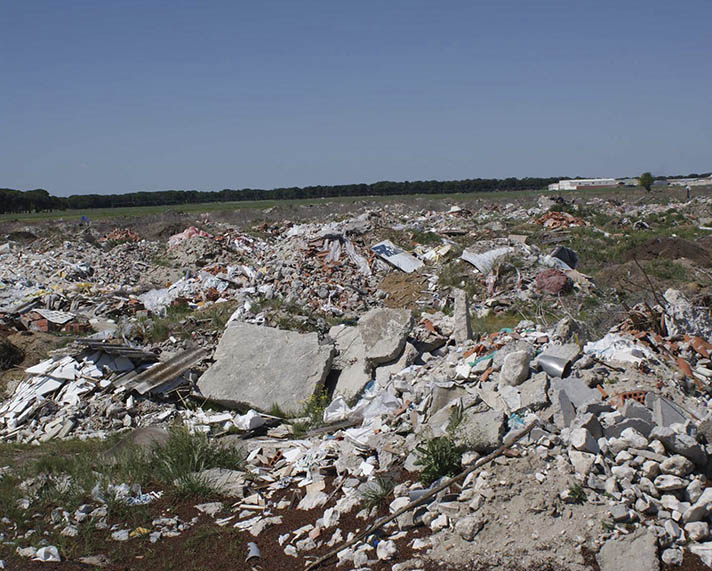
(38, 200)
(691, 175)
(16, 201)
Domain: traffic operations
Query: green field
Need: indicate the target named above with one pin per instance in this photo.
(103, 213)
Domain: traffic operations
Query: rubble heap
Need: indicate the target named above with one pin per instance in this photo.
(595, 446)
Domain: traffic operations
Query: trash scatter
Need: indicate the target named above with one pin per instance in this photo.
(364, 388)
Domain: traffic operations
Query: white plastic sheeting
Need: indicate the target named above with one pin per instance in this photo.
(614, 347)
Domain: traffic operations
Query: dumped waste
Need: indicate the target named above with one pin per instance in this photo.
(487, 405)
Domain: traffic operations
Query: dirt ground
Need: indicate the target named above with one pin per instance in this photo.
(403, 290)
(671, 249)
(35, 346)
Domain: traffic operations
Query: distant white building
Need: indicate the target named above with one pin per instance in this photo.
(701, 181)
(584, 183)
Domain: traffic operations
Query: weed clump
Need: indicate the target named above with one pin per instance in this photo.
(312, 413)
(577, 493)
(378, 493)
(439, 457)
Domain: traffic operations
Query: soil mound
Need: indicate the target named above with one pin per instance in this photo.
(671, 249)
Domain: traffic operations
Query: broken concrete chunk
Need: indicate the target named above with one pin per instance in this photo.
(461, 314)
(384, 332)
(481, 431)
(576, 390)
(515, 369)
(635, 552)
(616, 429)
(348, 344)
(677, 465)
(385, 371)
(581, 439)
(263, 366)
(534, 392)
(680, 444)
(469, 526)
(582, 462)
(350, 360)
(590, 422)
(633, 409)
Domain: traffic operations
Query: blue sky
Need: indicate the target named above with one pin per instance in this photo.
(126, 95)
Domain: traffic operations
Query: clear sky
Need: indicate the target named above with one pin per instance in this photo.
(125, 95)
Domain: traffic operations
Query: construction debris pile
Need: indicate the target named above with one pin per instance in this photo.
(597, 446)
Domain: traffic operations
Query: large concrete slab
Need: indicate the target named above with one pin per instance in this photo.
(263, 366)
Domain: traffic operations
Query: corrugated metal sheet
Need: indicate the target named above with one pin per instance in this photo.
(162, 377)
(132, 353)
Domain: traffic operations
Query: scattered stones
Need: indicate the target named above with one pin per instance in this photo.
(667, 482)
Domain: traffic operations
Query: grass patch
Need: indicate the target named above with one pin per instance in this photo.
(495, 321)
(64, 473)
(137, 211)
(276, 410)
(426, 238)
(184, 453)
(227, 539)
(300, 429)
(666, 270)
(457, 274)
(163, 260)
(455, 419)
(156, 329)
(193, 487)
(216, 316)
(314, 407)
